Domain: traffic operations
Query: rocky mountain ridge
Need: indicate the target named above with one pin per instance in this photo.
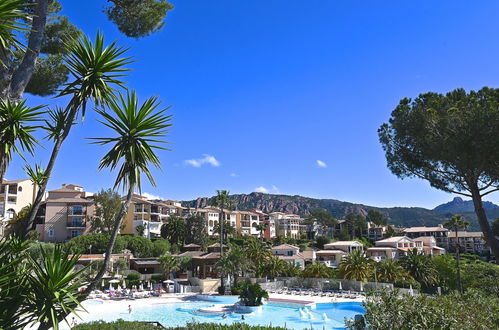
(399, 216)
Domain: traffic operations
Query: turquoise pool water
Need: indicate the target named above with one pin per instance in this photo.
(175, 314)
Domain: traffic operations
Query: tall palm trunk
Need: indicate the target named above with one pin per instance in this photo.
(110, 246)
(222, 222)
(50, 167)
(3, 164)
(458, 269)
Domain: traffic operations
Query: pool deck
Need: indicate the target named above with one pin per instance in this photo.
(310, 299)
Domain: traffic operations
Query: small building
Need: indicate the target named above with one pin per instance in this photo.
(393, 248)
(469, 241)
(290, 254)
(333, 253)
(440, 233)
(146, 265)
(430, 247)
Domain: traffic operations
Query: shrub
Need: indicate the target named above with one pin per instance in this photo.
(251, 294)
(407, 284)
(140, 246)
(99, 244)
(158, 278)
(133, 279)
(160, 247)
(127, 325)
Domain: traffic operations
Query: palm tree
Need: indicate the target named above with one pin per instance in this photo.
(16, 130)
(258, 254)
(261, 228)
(169, 263)
(420, 267)
(175, 230)
(390, 271)
(222, 201)
(274, 266)
(228, 230)
(317, 270)
(12, 14)
(95, 70)
(139, 131)
(455, 223)
(234, 262)
(356, 266)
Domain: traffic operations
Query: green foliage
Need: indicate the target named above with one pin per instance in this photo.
(129, 325)
(377, 218)
(133, 279)
(140, 130)
(472, 310)
(466, 163)
(420, 267)
(107, 208)
(322, 217)
(11, 17)
(317, 270)
(99, 243)
(17, 225)
(169, 263)
(196, 230)
(320, 241)
(140, 230)
(407, 283)
(251, 294)
(390, 271)
(138, 18)
(175, 230)
(495, 227)
(160, 247)
(49, 74)
(356, 266)
(36, 289)
(139, 246)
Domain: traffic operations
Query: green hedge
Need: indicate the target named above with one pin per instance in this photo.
(125, 325)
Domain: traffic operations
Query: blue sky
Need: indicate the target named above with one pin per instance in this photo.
(263, 90)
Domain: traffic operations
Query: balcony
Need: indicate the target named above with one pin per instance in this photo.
(75, 224)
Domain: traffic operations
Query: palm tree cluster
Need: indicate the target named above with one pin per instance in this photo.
(137, 131)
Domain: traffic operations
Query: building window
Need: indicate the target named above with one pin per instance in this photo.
(20, 189)
(76, 210)
(51, 232)
(11, 213)
(75, 233)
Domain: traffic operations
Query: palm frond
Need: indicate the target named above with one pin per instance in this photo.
(38, 175)
(12, 15)
(57, 122)
(139, 130)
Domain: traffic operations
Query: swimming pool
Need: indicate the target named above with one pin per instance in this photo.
(176, 314)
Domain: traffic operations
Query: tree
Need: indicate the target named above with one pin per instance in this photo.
(33, 289)
(251, 294)
(320, 241)
(261, 228)
(81, 244)
(234, 262)
(376, 217)
(495, 227)
(274, 267)
(356, 266)
(390, 271)
(140, 230)
(169, 263)
(317, 270)
(16, 128)
(139, 131)
(17, 224)
(96, 70)
(257, 254)
(222, 201)
(196, 230)
(160, 247)
(454, 224)
(450, 141)
(357, 223)
(39, 68)
(228, 230)
(420, 267)
(175, 230)
(107, 208)
(140, 246)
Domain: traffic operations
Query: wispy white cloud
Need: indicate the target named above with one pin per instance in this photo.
(151, 196)
(207, 159)
(262, 189)
(321, 163)
(233, 175)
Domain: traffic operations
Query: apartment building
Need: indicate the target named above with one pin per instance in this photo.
(149, 215)
(247, 223)
(290, 254)
(14, 195)
(440, 234)
(469, 242)
(270, 227)
(67, 211)
(288, 225)
(333, 253)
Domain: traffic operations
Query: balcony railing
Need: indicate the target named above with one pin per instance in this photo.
(76, 224)
(76, 212)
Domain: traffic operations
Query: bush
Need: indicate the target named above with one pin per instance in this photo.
(251, 294)
(141, 247)
(158, 278)
(406, 284)
(472, 310)
(133, 279)
(127, 325)
(99, 244)
(160, 247)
